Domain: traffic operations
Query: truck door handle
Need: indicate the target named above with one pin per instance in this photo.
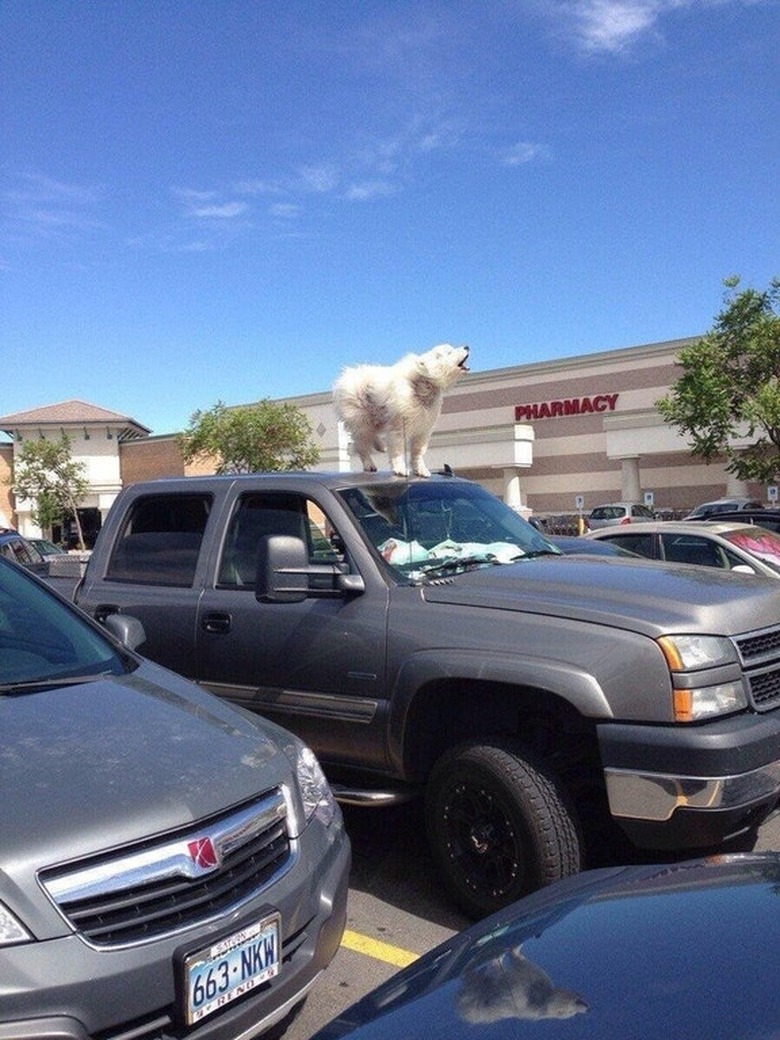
(104, 609)
(216, 622)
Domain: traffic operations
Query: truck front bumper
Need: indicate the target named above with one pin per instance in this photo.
(692, 787)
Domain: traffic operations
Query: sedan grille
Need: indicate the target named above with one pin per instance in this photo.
(158, 888)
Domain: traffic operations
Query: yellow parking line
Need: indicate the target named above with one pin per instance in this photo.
(378, 950)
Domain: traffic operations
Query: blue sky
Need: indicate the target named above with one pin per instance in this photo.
(233, 199)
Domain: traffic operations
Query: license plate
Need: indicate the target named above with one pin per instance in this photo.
(230, 967)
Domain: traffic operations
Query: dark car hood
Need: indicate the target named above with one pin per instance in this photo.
(652, 952)
(80, 772)
(640, 595)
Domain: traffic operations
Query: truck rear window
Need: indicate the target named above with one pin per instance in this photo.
(160, 541)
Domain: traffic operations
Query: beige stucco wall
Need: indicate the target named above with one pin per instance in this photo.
(7, 518)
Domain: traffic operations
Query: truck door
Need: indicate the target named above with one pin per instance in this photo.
(155, 572)
(318, 666)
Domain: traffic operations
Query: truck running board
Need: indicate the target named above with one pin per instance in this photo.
(372, 798)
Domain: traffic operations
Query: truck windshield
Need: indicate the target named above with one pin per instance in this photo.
(43, 643)
(425, 528)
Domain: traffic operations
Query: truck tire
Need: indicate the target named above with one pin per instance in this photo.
(499, 824)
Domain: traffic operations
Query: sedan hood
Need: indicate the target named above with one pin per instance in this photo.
(81, 773)
(623, 952)
(647, 597)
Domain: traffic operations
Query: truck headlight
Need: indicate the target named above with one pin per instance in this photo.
(687, 653)
(706, 701)
(12, 931)
(314, 789)
(690, 653)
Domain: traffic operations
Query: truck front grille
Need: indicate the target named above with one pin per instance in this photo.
(759, 645)
(760, 656)
(160, 887)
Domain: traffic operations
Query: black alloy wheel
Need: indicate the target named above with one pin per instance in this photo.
(500, 825)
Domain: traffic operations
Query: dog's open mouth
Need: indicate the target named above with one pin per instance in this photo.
(462, 364)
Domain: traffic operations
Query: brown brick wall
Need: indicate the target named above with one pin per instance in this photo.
(155, 457)
(149, 458)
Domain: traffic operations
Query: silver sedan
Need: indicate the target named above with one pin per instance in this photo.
(744, 548)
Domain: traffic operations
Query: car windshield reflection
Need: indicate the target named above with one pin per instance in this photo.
(758, 541)
(42, 641)
(424, 529)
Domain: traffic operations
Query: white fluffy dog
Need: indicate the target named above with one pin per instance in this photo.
(394, 408)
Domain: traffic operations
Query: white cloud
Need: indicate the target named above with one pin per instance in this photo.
(361, 191)
(319, 178)
(285, 210)
(613, 25)
(525, 152)
(221, 211)
(616, 26)
(209, 205)
(258, 187)
(43, 205)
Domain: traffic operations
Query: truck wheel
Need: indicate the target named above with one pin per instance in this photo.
(499, 825)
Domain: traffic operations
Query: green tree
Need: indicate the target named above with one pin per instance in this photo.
(730, 386)
(46, 473)
(263, 437)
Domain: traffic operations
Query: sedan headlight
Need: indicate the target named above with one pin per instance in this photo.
(315, 792)
(691, 653)
(12, 931)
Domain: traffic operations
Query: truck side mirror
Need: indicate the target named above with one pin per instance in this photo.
(282, 569)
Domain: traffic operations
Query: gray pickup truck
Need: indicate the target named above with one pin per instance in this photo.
(421, 636)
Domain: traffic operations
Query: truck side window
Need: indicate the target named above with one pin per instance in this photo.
(160, 541)
(273, 513)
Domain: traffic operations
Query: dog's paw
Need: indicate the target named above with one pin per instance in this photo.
(421, 470)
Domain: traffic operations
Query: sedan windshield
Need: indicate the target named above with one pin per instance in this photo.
(429, 528)
(758, 541)
(42, 641)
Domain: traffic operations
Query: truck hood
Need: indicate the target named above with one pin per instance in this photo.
(642, 596)
(106, 762)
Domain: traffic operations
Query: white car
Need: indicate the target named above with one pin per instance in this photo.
(744, 548)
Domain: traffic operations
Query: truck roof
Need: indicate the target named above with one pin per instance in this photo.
(326, 478)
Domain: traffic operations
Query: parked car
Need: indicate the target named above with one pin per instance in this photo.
(745, 548)
(46, 548)
(643, 951)
(769, 518)
(169, 864)
(722, 505)
(576, 545)
(615, 513)
(14, 547)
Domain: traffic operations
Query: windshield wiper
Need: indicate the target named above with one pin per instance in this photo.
(37, 685)
(454, 563)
